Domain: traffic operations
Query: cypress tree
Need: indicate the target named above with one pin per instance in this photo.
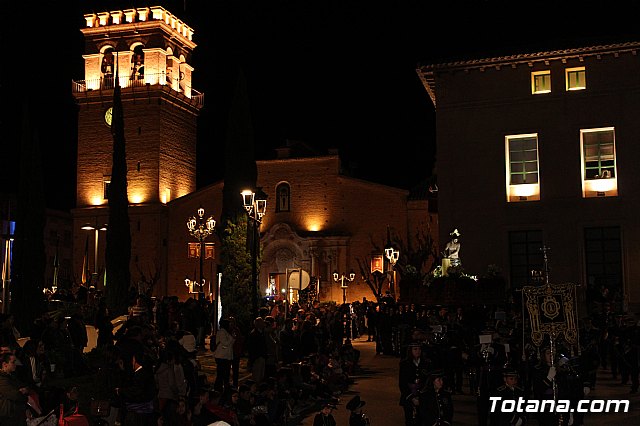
(118, 250)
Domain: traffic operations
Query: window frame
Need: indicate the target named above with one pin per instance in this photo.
(106, 182)
(533, 259)
(606, 182)
(517, 192)
(576, 70)
(534, 78)
(283, 204)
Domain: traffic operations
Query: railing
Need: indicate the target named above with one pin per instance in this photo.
(107, 83)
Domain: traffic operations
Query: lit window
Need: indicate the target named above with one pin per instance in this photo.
(541, 82)
(522, 179)
(575, 78)
(598, 151)
(283, 193)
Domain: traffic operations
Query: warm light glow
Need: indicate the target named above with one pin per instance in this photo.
(600, 185)
(315, 221)
(166, 195)
(248, 197)
(97, 200)
(525, 190)
(136, 198)
(314, 227)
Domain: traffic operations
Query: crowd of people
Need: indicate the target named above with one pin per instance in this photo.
(299, 359)
(483, 352)
(146, 371)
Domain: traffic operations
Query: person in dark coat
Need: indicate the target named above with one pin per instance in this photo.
(324, 417)
(509, 391)
(435, 402)
(257, 350)
(139, 393)
(357, 417)
(412, 376)
(544, 380)
(13, 394)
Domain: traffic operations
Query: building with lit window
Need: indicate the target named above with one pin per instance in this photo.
(541, 150)
(318, 220)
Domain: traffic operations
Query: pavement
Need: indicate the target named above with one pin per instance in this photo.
(377, 385)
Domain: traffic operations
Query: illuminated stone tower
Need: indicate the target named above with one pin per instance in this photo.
(151, 49)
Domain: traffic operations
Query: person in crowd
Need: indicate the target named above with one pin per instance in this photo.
(356, 416)
(509, 391)
(139, 393)
(325, 416)
(223, 355)
(244, 405)
(35, 366)
(435, 403)
(9, 334)
(488, 361)
(13, 394)
(238, 350)
(183, 415)
(545, 386)
(288, 343)
(412, 376)
(103, 325)
(272, 340)
(170, 381)
(70, 400)
(257, 349)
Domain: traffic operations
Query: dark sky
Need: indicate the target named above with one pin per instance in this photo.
(333, 73)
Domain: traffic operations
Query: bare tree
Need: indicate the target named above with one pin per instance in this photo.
(416, 258)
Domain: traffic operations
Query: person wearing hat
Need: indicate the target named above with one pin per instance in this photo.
(324, 417)
(357, 417)
(412, 376)
(546, 385)
(509, 391)
(435, 402)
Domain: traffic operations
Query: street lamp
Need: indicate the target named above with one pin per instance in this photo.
(96, 229)
(256, 209)
(392, 255)
(200, 229)
(341, 278)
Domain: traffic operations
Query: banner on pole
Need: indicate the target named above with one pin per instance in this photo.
(552, 312)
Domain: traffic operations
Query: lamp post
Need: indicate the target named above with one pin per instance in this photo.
(200, 229)
(341, 278)
(96, 229)
(6, 265)
(256, 207)
(392, 255)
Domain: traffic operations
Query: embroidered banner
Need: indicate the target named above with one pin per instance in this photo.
(552, 312)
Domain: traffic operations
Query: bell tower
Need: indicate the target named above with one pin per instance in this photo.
(150, 49)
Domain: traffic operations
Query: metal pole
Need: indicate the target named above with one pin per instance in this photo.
(201, 286)
(254, 266)
(6, 275)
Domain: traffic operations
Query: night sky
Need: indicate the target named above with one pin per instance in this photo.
(333, 73)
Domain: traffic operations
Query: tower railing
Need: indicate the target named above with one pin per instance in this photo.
(107, 83)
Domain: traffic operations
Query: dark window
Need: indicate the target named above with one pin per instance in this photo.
(525, 255)
(107, 184)
(283, 197)
(603, 258)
